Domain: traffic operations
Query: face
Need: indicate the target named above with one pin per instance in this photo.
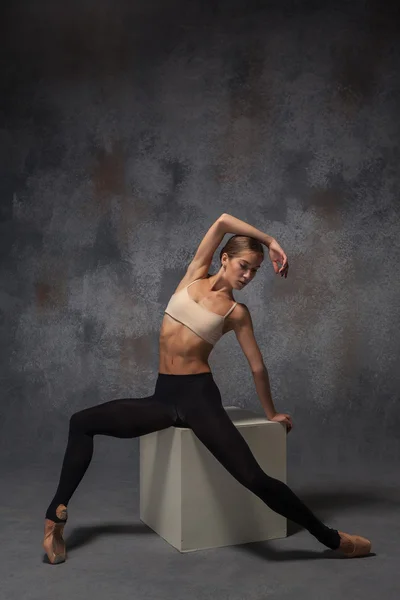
(242, 269)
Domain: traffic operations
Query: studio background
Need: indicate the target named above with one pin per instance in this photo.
(127, 128)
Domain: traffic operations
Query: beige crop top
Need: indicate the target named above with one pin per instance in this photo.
(205, 323)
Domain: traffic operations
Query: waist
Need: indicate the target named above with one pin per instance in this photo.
(184, 354)
(187, 375)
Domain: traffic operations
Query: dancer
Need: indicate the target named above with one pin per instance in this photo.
(201, 310)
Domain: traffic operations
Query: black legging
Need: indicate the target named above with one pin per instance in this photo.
(192, 401)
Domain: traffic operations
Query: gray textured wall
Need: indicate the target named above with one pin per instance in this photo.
(127, 128)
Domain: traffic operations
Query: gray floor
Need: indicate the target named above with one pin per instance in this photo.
(111, 554)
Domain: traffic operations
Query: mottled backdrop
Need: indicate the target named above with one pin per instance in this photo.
(127, 128)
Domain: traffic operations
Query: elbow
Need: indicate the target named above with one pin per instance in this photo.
(256, 370)
(222, 223)
(225, 217)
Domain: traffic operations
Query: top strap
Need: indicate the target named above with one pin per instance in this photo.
(230, 310)
(193, 282)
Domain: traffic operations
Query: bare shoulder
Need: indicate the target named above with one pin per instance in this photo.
(238, 319)
(240, 316)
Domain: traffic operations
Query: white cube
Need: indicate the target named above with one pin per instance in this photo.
(193, 502)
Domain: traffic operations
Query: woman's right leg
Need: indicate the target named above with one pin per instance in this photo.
(122, 418)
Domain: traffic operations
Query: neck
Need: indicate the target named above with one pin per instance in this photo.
(219, 284)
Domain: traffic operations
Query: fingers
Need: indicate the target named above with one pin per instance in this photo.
(287, 421)
(284, 268)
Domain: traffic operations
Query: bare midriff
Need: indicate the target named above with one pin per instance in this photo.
(183, 352)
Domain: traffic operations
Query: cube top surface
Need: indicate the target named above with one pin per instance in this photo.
(243, 416)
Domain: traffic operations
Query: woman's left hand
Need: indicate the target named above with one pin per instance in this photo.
(285, 419)
(276, 255)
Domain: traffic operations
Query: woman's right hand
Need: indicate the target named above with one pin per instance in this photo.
(277, 255)
(285, 419)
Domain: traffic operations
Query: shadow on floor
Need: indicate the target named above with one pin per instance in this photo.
(319, 502)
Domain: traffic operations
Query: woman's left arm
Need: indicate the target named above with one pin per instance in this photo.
(277, 255)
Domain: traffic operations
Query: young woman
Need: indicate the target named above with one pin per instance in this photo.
(201, 310)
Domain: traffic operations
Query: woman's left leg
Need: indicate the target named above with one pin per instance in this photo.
(212, 425)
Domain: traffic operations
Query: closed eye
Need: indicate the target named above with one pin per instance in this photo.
(245, 267)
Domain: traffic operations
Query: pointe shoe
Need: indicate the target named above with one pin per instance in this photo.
(354, 545)
(53, 542)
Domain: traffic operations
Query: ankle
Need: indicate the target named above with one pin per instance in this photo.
(57, 513)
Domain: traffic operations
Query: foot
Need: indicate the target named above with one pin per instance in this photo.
(353, 545)
(53, 541)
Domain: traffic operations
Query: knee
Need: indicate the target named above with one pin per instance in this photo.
(261, 482)
(253, 479)
(77, 421)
